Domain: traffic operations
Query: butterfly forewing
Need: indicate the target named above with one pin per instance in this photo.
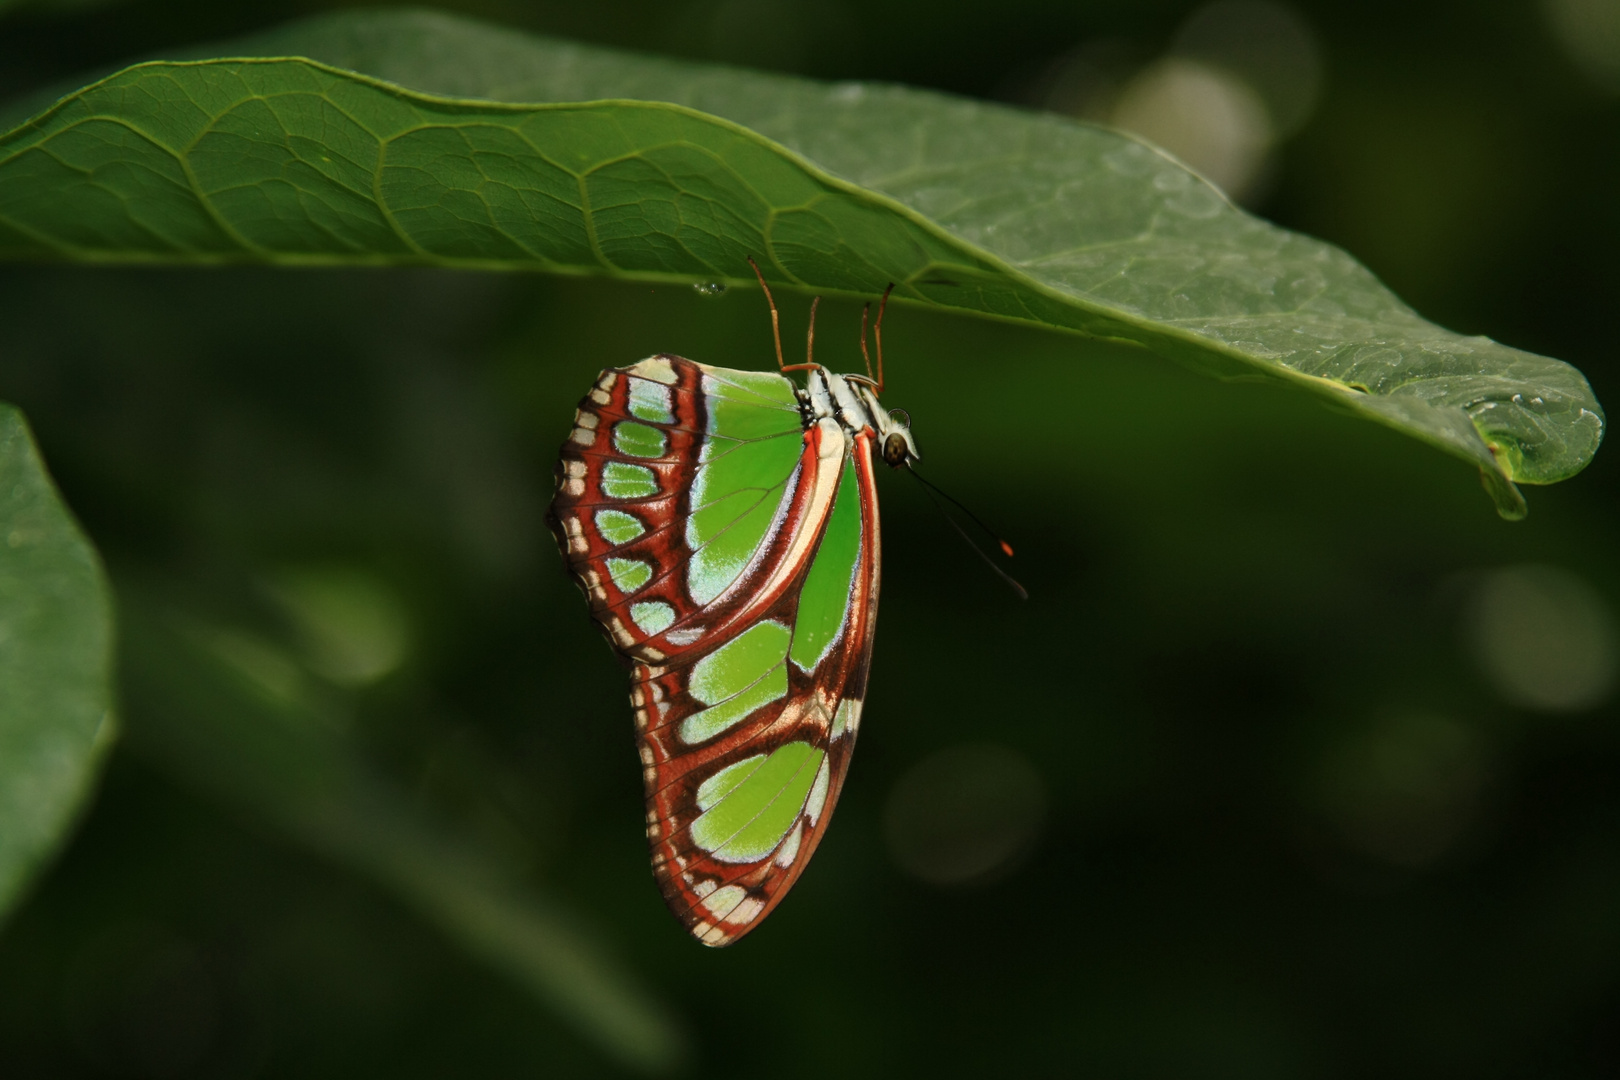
(730, 552)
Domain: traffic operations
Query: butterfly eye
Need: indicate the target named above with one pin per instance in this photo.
(895, 450)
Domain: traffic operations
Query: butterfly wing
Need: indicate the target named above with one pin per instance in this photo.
(730, 553)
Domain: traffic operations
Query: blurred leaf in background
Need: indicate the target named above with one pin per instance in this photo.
(1279, 773)
(56, 718)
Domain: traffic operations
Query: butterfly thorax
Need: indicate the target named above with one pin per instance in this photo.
(852, 402)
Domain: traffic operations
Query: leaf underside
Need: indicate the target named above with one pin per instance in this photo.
(467, 145)
(55, 663)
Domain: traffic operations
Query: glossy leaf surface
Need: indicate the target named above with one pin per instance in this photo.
(671, 171)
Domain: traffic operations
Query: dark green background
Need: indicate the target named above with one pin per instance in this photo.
(1235, 592)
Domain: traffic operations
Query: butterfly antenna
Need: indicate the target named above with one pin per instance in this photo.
(776, 320)
(934, 493)
(1005, 547)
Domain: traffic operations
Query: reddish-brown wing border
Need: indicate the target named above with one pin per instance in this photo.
(660, 663)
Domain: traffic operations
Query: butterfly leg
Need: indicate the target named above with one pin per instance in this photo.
(776, 322)
(809, 341)
(877, 333)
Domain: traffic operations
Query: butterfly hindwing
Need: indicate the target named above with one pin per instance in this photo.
(751, 753)
(730, 552)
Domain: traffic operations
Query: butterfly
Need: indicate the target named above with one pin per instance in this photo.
(723, 526)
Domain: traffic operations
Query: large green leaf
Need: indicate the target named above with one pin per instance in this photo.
(654, 169)
(218, 709)
(55, 662)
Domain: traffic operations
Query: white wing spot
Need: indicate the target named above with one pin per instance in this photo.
(652, 401)
(848, 718)
(790, 847)
(652, 617)
(818, 792)
(657, 369)
(724, 899)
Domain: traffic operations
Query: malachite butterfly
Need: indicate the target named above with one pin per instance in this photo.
(724, 528)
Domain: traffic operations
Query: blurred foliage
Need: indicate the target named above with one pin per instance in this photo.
(55, 663)
(1302, 811)
(230, 715)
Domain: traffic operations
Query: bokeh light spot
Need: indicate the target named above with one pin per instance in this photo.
(1404, 788)
(1206, 117)
(1238, 76)
(353, 626)
(1267, 45)
(1589, 31)
(965, 814)
(1544, 638)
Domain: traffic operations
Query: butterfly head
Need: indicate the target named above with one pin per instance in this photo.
(895, 441)
(897, 450)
